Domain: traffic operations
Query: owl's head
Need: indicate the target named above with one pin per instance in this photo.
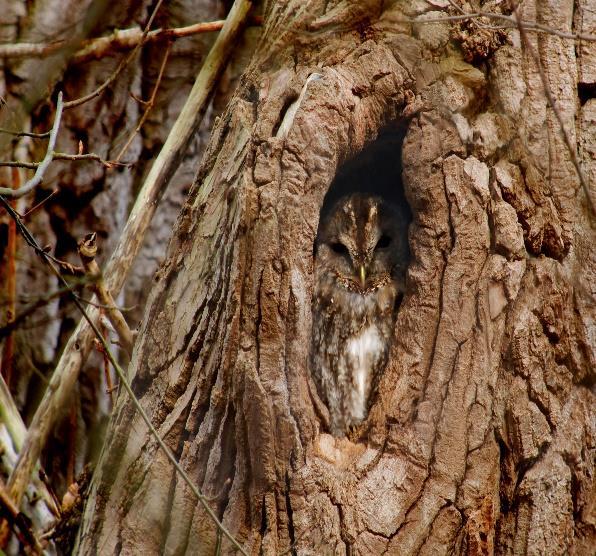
(362, 241)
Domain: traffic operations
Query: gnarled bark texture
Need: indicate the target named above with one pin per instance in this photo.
(481, 439)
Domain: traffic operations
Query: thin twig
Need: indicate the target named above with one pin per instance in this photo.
(40, 204)
(26, 133)
(552, 103)
(106, 371)
(148, 105)
(90, 156)
(43, 166)
(19, 164)
(66, 156)
(94, 303)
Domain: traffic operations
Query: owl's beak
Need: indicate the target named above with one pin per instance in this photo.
(362, 275)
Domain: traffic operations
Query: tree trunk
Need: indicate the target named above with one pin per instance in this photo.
(481, 437)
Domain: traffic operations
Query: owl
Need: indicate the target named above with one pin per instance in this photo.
(361, 255)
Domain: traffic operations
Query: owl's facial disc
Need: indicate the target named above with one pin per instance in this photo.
(360, 243)
(359, 264)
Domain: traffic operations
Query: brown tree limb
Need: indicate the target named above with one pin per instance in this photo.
(78, 346)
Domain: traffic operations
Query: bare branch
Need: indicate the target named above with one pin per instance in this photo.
(19, 164)
(65, 156)
(26, 50)
(26, 133)
(94, 49)
(40, 204)
(90, 156)
(43, 166)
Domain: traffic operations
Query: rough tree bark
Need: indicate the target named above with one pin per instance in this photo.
(481, 439)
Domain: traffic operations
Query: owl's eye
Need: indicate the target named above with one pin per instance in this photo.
(339, 248)
(383, 242)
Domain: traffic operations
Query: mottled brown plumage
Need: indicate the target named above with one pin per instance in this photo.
(360, 262)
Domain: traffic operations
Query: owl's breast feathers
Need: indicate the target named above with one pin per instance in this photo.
(352, 333)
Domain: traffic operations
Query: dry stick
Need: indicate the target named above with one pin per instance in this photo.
(79, 344)
(552, 104)
(39, 205)
(87, 252)
(129, 38)
(19, 164)
(44, 135)
(43, 166)
(149, 104)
